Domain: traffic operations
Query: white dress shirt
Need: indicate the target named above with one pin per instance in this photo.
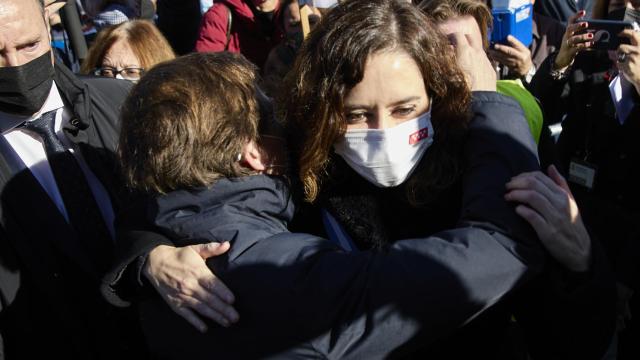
(30, 149)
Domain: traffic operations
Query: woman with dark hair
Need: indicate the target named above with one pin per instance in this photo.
(369, 68)
(331, 68)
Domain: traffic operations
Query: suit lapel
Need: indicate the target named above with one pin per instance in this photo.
(35, 213)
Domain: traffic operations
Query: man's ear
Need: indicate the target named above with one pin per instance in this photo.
(252, 157)
(47, 22)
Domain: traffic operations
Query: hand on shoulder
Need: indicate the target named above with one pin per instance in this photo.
(547, 204)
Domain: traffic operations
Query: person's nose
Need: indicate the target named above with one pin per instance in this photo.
(10, 59)
(382, 121)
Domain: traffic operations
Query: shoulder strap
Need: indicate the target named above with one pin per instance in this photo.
(229, 23)
(336, 232)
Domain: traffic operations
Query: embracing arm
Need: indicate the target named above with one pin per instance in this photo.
(364, 305)
(178, 274)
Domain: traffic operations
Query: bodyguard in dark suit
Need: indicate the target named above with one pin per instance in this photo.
(57, 195)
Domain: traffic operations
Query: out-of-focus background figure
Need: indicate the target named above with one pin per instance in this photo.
(127, 51)
(249, 27)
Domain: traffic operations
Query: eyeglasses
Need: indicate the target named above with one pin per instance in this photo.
(128, 73)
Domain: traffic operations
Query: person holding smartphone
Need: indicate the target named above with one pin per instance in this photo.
(519, 61)
(597, 94)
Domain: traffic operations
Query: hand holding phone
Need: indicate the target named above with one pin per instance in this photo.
(606, 33)
(629, 58)
(573, 41)
(515, 55)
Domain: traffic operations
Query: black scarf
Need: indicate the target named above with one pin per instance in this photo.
(376, 217)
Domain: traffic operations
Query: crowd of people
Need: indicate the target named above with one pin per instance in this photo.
(357, 179)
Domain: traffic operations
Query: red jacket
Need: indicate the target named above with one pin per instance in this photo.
(246, 36)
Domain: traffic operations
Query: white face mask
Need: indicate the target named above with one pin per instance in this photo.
(387, 157)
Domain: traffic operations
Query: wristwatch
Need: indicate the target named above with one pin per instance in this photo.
(532, 71)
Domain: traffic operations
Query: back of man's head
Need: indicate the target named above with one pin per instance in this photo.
(187, 120)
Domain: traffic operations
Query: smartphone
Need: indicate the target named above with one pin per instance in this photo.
(605, 33)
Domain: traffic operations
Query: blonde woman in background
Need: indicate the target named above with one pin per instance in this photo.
(127, 51)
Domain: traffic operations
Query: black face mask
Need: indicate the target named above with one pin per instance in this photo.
(25, 88)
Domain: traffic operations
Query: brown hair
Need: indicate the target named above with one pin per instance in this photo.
(443, 10)
(332, 61)
(145, 40)
(186, 121)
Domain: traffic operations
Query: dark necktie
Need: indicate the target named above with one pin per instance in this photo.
(84, 215)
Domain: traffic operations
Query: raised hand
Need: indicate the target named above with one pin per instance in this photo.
(474, 62)
(573, 41)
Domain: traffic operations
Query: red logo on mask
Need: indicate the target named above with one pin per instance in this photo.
(418, 135)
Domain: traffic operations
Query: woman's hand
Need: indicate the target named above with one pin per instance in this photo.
(573, 43)
(548, 205)
(480, 74)
(183, 280)
(630, 66)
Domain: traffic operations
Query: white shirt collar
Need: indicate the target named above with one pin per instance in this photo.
(53, 102)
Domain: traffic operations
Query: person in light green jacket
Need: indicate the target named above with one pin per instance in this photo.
(529, 104)
(473, 19)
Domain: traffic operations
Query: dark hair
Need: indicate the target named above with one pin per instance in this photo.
(186, 121)
(332, 61)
